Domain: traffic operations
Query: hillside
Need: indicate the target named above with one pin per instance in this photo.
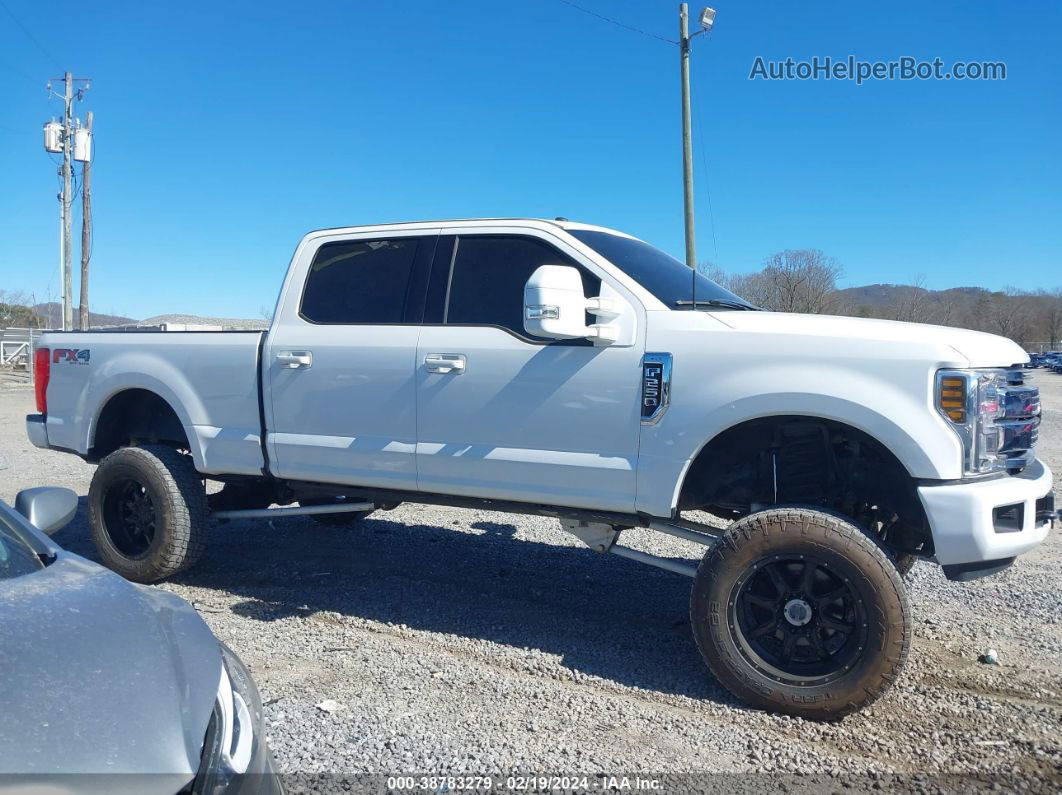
(876, 296)
(52, 316)
(249, 324)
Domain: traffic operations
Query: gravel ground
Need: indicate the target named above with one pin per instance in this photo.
(521, 651)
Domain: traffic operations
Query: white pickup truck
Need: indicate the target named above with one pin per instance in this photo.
(568, 370)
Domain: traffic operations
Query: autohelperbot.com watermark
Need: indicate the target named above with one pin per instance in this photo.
(906, 67)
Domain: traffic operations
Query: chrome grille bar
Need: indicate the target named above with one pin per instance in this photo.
(1019, 424)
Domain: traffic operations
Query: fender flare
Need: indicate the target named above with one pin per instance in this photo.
(128, 381)
(906, 448)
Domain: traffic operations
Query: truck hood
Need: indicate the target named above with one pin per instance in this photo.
(101, 676)
(977, 348)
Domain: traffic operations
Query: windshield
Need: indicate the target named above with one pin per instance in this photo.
(16, 557)
(661, 274)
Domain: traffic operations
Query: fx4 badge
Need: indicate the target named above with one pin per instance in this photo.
(656, 386)
(70, 355)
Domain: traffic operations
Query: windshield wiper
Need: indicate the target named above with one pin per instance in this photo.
(718, 302)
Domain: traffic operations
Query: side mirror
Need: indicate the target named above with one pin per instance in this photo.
(555, 307)
(47, 508)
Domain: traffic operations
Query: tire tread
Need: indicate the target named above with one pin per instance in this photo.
(185, 511)
(853, 542)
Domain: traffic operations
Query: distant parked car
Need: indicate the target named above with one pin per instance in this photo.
(124, 682)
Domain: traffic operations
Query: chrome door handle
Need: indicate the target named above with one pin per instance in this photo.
(293, 360)
(445, 362)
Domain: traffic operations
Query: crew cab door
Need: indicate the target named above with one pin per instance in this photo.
(339, 362)
(502, 415)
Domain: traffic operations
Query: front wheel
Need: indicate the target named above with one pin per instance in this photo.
(147, 510)
(798, 611)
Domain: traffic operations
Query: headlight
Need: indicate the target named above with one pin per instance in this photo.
(972, 402)
(235, 732)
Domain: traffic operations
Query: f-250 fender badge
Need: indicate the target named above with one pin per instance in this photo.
(70, 355)
(656, 386)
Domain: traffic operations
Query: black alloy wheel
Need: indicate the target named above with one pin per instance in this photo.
(129, 517)
(797, 620)
(147, 512)
(798, 610)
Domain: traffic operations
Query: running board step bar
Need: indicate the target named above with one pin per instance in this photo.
(603, 538)
(692, 531)
(299, 510)
(654, 560)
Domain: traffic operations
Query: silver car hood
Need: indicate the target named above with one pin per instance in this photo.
(100, 676)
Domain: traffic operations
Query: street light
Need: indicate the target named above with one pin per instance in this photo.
(707, 18)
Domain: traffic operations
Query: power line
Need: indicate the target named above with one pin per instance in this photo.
(30, 36)
(617, 23)
(19, 72)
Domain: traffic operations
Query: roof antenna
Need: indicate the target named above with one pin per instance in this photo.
(693, 286)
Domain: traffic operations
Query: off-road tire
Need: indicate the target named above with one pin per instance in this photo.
(874, 654)
(178, 500)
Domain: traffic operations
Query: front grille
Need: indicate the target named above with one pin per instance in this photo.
(1019, 426)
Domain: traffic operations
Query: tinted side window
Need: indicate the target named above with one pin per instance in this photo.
(359, 281)
(489, 274)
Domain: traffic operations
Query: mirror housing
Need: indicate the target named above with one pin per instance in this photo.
(555, 307)
(48, 508)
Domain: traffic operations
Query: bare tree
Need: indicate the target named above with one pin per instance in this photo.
(1051, 315)
(805, 280)
(946, 311)
(910, 303)
(753, 287)
(713, 272)
(16, 310)
(1007, 314)
(799, 280)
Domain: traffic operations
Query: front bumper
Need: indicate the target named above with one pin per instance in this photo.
(37, 430)
(989, 521)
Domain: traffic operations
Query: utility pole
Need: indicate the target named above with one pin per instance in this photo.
(61, 139)
(707, 20)
(86, 231)
(687, 138)
(68, 100)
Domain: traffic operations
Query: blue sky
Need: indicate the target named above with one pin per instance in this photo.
(225, 130)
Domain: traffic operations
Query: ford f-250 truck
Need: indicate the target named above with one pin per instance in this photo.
(568, 370)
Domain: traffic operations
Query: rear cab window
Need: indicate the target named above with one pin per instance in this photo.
(360, 281)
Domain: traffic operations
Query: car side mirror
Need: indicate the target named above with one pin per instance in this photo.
(47, 508)
(555, 307)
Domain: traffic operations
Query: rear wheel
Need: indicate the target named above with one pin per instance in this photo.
(147, 510)
(798, 611)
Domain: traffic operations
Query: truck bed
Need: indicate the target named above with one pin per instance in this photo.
(210, 378)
